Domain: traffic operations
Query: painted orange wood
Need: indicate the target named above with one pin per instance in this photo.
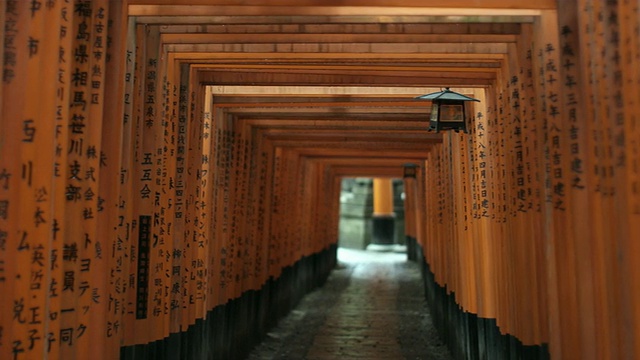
(195, 263)
(182, 186)
(345, 10)
(382, 196)
(96, 302)
(111, 190)
(359, 28)
(630, 271)
(596, 178)
(334, 38)
(23, 223)
(123, 304)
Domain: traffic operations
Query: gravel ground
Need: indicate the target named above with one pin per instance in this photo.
(372, 307)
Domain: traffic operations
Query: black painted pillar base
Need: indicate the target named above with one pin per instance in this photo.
(231, 330)
(412, 250)
(467, 335)
(383, 233)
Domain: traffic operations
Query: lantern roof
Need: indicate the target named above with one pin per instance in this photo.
(446, 94)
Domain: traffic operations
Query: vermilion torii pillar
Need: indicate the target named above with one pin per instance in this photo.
(383, 218)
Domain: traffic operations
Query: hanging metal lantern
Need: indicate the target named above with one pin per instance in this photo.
(447, 110)
(410, 170)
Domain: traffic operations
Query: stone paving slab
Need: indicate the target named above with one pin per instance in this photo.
(372, 307)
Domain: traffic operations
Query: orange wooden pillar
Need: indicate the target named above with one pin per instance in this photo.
(383, 218)
(410, 209)
(629, 15)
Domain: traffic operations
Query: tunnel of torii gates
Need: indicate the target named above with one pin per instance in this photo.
(170, 170)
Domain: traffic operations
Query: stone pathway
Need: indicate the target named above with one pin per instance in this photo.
(372, 307)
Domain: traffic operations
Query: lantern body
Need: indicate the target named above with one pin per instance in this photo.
(447, 110)
(410, 170)
(447, 115)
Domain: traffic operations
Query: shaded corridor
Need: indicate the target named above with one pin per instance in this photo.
(372, 307)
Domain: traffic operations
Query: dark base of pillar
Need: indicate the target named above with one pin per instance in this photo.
(412, 249)
(382, 233)
(231, 330)
(467, 335)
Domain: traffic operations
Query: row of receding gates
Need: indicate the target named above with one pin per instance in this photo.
(114, 186)
(127, 216)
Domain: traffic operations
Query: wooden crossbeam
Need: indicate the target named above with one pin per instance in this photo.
(320, 123)
(373, 136)
(497, 4)
(343, 19)
(351, 48)
(355, 94)
(309, 27)
(338, 147)
(366, 171)
(283, 78)
(293, 68)
(232, 56)
(326, 10)
(312, 105)
(325, 38)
